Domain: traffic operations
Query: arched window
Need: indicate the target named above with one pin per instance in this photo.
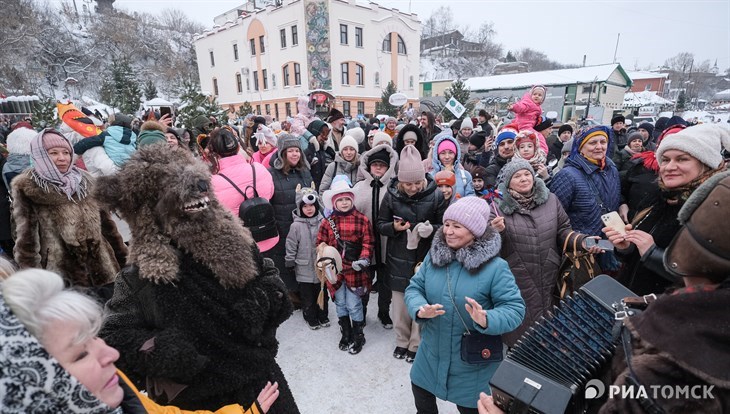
(387, 47)
(386, 43)
(377, 78)
(401, 46)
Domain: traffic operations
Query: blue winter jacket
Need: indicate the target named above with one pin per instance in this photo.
(475, 271)
(463, 186)
(119, 143)
(578, 197)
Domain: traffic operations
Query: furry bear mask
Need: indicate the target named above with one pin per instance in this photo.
(166, 197)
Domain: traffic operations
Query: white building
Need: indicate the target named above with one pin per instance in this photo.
(340, 52)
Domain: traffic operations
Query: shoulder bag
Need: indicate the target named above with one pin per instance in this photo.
(576, 268)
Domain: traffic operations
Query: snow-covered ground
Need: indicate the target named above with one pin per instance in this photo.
(326, 380)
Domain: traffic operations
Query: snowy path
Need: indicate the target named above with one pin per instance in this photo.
(326, 380)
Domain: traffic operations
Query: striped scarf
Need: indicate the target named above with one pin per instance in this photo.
(46, 174)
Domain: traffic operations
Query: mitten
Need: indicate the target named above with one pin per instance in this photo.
(413, 238)
(424, 229)
(361, 264)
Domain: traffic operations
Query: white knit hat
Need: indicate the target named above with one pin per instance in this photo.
(466, 123)
(704, 142)
(348, 141)
(356, 133)
(381, 137)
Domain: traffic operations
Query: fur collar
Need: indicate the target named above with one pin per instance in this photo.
(508, 205)
(471, 257)
(28, 184)
(364, 174)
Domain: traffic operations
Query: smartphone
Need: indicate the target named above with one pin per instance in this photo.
(614, 221)
(165, 110)
(602, 244)
(399, 219)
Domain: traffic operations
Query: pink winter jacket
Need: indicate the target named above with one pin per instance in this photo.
(527, 114)
(238, 170)
(263, 159)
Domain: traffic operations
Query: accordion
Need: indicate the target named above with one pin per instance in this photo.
(547, 369)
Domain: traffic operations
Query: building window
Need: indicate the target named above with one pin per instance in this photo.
(359, 75)
(258, 109)
(248, 84)
(285, 74)
(605, 88)
(215, 86)
(282, 35)
(294, 36)
(261, 44)
(647, 87)
(276, 110)
(346, 108)
(212, 59)
(273, 81)
(410, 82)
(266, 80)
(401, 46)
(297, 75)
(239, 83)
(345, 69)
(343, 34)
(360, 107)
(235, 52)
(377, 78)
(252, 42)
(287, 108)
(358, 36)
(255, 80)
(268, 109)
(386, 43)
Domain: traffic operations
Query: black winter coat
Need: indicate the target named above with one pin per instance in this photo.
(639, 186)
(493, 169)
(319, 157)
(428, 205)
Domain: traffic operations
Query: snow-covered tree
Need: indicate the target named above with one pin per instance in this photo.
(150, 90)
(194, 103)
(44, 114)
(461, 93)
(244, 109)
(120, 88)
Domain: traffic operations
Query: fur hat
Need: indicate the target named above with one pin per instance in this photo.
(485, 114)
(466, 123)
(617, 118)
(334, 115)
(379, 156)
(544, 124)
(478, 139)
(381, 137)
(19, 140)
(704, 142)
(340, 188)
(513, 166)
(348, 141)
(390, 119)
(410, 166)
(445, 177)
(471, 212)
(356, 133)
(505, 133)
(564, 128)
(702, 246)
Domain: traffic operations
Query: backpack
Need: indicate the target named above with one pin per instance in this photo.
(256, 213)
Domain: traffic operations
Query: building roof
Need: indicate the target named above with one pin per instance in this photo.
(586, 74)
(722, 95)
(644, 98)
(636, 75)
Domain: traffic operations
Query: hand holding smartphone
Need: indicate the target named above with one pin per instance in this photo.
(614, 221)
(601, 244)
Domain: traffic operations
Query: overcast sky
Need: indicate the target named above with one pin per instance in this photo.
(651, 31)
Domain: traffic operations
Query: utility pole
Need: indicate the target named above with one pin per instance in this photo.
(616, 50)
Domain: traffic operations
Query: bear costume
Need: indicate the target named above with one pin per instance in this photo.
(195, 312)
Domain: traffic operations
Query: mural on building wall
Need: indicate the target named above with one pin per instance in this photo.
(318, 44)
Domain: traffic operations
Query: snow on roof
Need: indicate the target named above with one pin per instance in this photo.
(722, 94)
(584, 74)
(644, 98)
(646, 75)
(157, 102)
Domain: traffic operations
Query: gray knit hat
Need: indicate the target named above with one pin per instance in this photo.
(513, 166)
(285, 142)
(410, 167)
(471, 212)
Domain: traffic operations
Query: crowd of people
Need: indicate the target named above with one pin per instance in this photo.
(459, 230)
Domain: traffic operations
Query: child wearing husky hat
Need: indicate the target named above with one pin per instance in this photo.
(301, 256)
(350, 232)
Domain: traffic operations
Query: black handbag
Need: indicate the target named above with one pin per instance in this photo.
(576, 269)
(476, 348)
(350, 251)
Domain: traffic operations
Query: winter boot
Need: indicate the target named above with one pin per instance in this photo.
(346, 330)
(385, 320)
(359, 337)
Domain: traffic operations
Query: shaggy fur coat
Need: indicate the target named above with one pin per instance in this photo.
(195, 314)
(76, 239)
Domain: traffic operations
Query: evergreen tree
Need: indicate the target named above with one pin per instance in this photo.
(460, 92)
(244, 109)
(44, 114)
(150, 90)
(384, 106)
(681, 101)
(121, 89)
(510, 57)
(194, 103)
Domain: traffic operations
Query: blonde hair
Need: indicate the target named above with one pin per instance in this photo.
(37, 298)
(401, 190)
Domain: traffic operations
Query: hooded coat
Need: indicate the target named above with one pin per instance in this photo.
(475, 271)
(339, 167)
(301, 252)
(532, 245)
(421, 141)
(428, 205)
(463, 185)
(76, 239)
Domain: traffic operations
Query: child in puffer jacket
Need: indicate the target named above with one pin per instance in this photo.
(119, 141)
(528, 110)
(301, 256)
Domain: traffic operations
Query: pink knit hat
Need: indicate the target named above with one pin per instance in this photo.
(52, 139)
(410, 167)
(471, 212)
(446, 144)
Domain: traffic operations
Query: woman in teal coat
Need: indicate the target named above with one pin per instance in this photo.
(462, 272)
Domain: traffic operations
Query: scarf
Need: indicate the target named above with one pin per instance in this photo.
(525, 201)
(46, 174)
